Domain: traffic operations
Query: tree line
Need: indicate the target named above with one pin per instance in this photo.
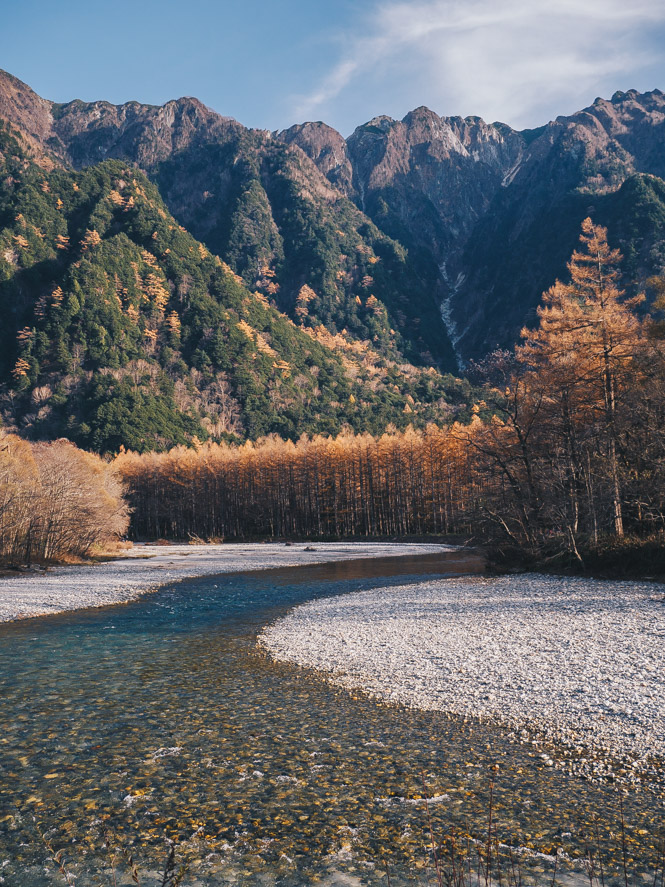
(56, 502)
(566, 448)
(416, 481)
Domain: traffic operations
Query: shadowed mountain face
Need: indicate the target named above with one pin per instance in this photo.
(500, 211)
(605, 162)
(430, 216)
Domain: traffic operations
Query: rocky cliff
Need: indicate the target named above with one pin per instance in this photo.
(260, 203)
(453, 225)
(500, 210)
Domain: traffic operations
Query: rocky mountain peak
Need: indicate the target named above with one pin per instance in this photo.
(26, 111)
(326, 148)
(79, 133)
(376, 125)
(86, 132)
(433, 176)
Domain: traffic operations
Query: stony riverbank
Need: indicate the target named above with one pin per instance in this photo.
(146, 567)
(573, 665)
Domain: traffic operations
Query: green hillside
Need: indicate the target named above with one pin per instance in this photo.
(120, 329)
(281, 227)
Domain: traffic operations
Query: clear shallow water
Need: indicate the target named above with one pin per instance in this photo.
(161, 720)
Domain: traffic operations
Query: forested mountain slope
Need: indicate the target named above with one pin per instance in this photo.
(120, 329)
(259, 203)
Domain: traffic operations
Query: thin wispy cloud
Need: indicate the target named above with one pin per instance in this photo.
(507, 60)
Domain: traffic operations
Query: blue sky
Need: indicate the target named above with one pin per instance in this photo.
(271, 63)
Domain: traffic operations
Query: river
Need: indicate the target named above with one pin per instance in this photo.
(130, 729)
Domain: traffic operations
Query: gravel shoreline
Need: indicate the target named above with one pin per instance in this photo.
(145, 568)
(574, 666)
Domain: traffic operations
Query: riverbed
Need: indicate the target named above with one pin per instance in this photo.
(567, 662)
(145, 568)
(162, 720)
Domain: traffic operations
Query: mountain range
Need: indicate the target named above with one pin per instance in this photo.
(402, 253)
(498, 210)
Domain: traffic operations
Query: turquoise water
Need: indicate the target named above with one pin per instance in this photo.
(160, 721)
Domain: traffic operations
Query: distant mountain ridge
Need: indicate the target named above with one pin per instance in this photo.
(454, 225)
(500, 210)
(425, 176)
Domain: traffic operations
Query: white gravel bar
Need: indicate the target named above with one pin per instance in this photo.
(144, 568)
(577, 662)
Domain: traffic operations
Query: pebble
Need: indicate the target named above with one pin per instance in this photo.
(574, 664)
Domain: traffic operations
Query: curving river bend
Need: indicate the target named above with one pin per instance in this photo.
(160, 720)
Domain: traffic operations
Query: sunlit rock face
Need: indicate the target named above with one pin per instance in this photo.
(327, 148)
(486, 216)
(258, 202)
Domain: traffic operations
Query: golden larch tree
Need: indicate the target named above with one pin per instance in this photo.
(585, 345)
